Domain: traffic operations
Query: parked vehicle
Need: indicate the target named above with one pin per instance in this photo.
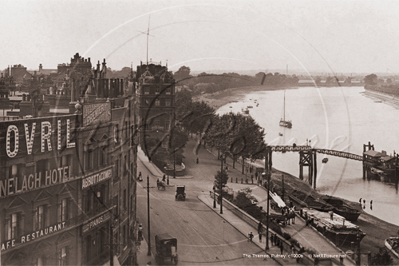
(165, 248)
(180, 193)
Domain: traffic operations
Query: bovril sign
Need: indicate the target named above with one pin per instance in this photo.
(20, 135)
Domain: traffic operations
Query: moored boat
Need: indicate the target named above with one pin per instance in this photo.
(341, 208)
(308, 201)
(337, 229)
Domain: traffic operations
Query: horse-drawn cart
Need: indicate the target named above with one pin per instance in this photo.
(161, 184)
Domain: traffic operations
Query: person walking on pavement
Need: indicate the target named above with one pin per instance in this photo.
(260, 231)
(250, 236)
(272, 239)
(197, 160)
(281, 248)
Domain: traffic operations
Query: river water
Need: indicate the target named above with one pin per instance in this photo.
(339, 118)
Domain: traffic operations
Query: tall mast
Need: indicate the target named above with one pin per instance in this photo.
(284, 105)
(148, 34)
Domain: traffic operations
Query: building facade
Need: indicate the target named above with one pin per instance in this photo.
(68, 181)
(156, 104)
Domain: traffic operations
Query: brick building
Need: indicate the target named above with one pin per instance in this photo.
(67, 180)
(155, 103)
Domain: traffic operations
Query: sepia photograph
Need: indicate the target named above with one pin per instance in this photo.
(199, 133)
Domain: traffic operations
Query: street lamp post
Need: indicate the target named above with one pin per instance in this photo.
(267, 220)
(221, 177)
(214, 198)
(148, 213)
(358, 248)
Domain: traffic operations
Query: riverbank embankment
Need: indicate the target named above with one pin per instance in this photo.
(376, 229)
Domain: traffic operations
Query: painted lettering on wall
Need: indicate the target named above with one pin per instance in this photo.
(32, 236)
(17, 185)
(96, 178)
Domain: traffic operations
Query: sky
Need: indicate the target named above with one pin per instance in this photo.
(338, 36)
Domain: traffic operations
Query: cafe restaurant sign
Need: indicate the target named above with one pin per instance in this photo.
(33, 236)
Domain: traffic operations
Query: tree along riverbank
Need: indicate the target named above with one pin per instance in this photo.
(376, 229)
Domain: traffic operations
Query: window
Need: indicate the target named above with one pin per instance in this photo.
(124, 236)
(102, 157)
(88, 248)
(116, 210)
(167, 124)
(157, 90)
(88, 200)
(124, 199)
(63, 253)
(13, 226)
(126, 130)
(116, 133)
(40, 261)
(64, 210)
(117, 168)
(157, 102)
(40, 217)
(167, 102)
(146, 90)
(89, 164)
(125, 165)
(168, 90)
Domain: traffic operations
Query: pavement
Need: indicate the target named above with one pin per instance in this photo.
(274, 252)
(142, 255)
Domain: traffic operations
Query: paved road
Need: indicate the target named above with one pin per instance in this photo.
(203, 237)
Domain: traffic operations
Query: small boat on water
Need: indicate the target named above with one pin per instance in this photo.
(231, 106)
(325, 160)
(283, 122)
(250, 106)
(245, 111)
(280, 134)
(392, 243)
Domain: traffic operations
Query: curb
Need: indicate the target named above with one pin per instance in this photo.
(238, 229)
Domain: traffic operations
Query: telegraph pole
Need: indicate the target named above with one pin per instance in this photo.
(148, 212)
(221, 177)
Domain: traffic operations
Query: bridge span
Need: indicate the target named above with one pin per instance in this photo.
(307, 157)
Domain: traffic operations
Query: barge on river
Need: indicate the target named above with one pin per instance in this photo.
(337, 229)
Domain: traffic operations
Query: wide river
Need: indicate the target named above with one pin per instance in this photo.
(339, 118)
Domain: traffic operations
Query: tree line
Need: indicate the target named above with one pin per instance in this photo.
(210, 83)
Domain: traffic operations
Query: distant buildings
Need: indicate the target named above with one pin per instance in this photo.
(68, 171)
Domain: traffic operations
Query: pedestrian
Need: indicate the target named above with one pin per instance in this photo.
(272, 239)
(260, 236)
(360, 200)
(163, 178)
(371, 204)
(250, 236)
(331, 215)
(197, 160)
(364, 201)
(260, 230)
(281, 248)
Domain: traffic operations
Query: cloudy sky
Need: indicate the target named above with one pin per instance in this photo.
(328, 36)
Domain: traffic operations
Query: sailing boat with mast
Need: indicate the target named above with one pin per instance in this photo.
(283, 122)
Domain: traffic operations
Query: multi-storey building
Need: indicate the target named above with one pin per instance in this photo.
(156, 103)
(67, 180)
